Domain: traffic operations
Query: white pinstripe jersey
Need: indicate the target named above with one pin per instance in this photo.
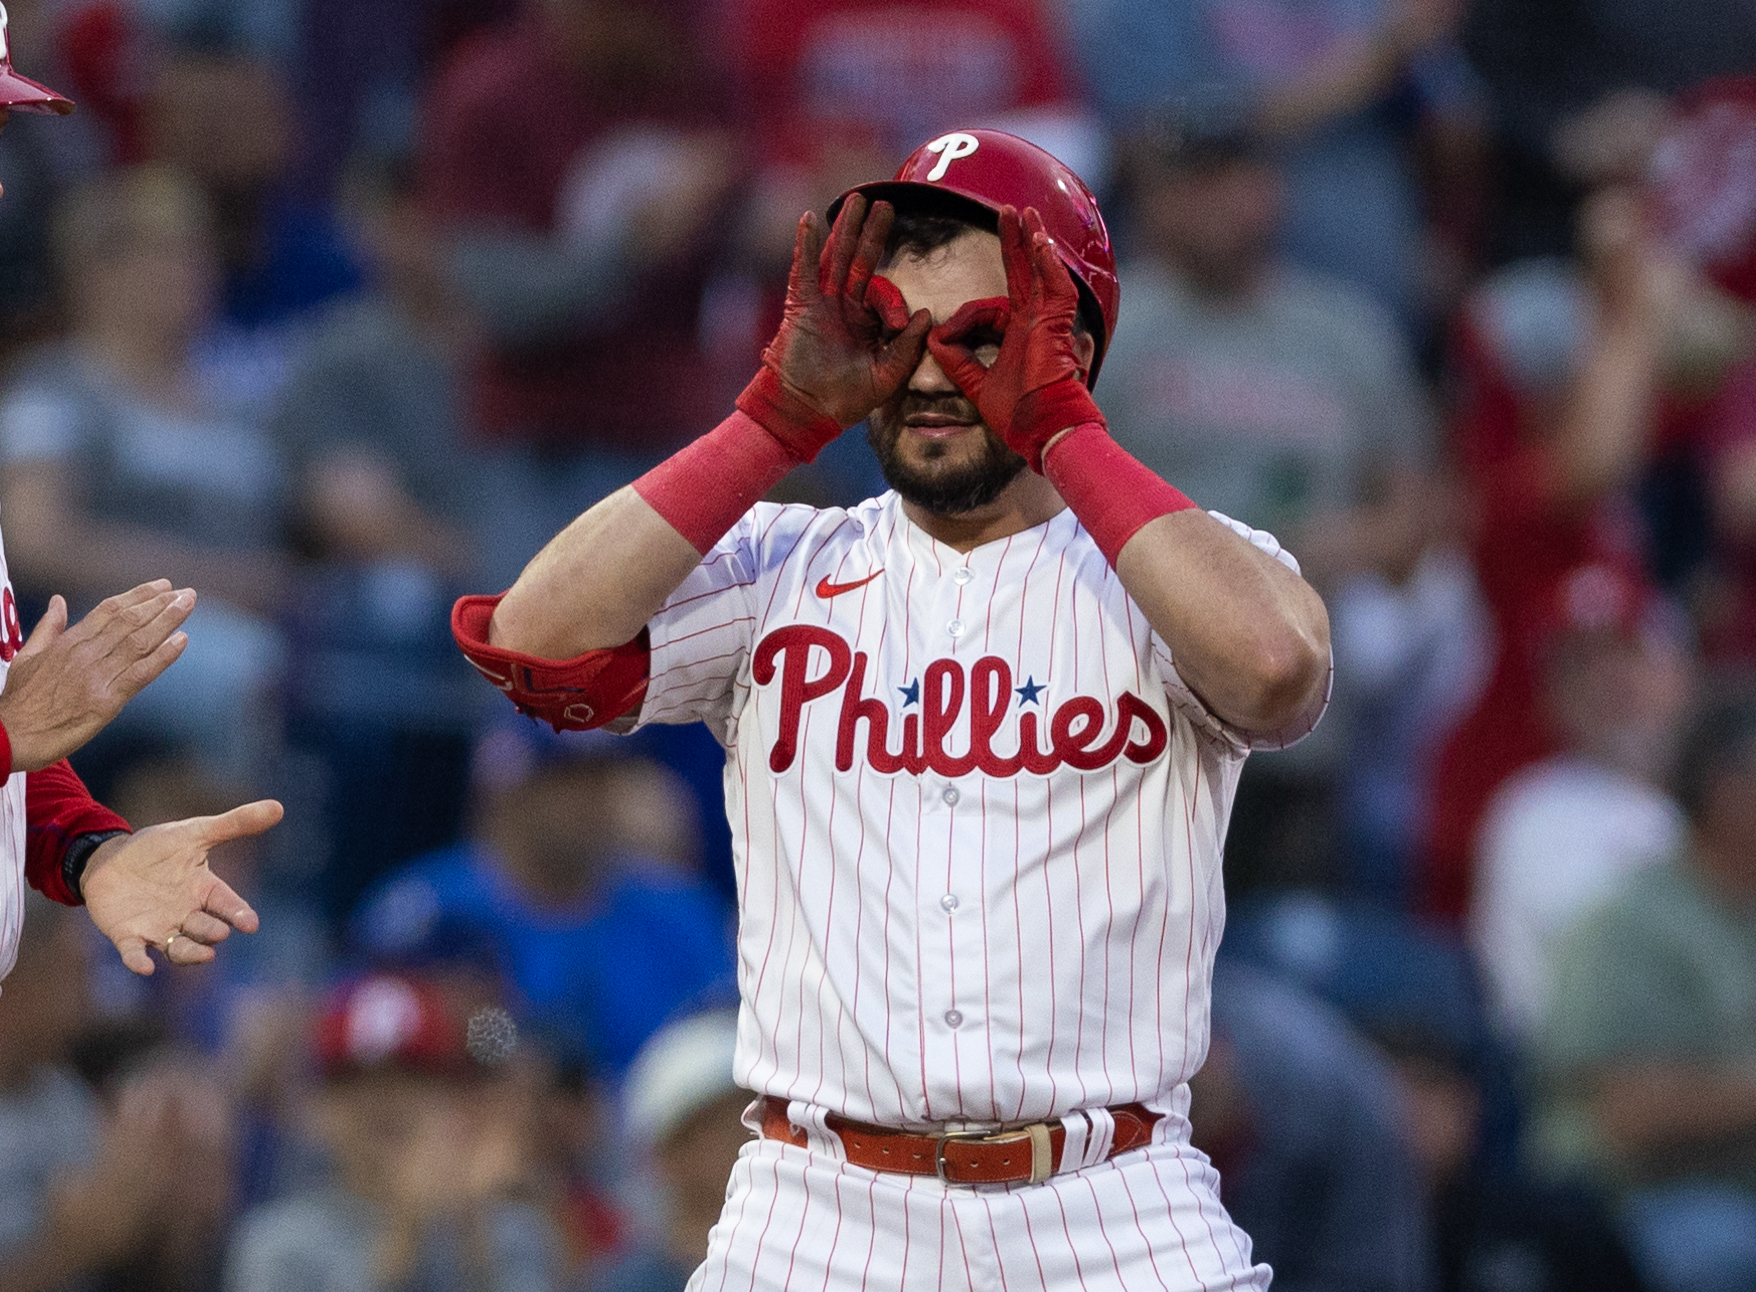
(11, 796)
(976, 815)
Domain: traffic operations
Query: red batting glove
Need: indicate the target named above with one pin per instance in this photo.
(829, 364)
(1035, 388)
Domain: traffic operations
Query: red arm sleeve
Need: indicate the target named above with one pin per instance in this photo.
(57, 810)
(577, 694)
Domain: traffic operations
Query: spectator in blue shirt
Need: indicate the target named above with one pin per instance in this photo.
(577, 878)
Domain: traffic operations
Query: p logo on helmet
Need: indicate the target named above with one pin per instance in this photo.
(950, 147)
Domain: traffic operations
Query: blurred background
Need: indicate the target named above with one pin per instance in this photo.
(335, 309)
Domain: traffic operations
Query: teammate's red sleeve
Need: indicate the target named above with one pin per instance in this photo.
(57, 810)
(577, 694)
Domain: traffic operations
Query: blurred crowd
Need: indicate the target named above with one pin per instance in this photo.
(335, 309)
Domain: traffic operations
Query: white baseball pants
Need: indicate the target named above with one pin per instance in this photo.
(1151, 1219)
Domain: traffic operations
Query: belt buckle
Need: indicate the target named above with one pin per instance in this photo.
(1042, 1164)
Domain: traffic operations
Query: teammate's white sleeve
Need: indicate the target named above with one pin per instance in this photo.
(1204, 719)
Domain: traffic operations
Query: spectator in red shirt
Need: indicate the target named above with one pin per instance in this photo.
(824, 76)
(1727, 447)
(1550, 439)
(1704, 204)
(576, 158)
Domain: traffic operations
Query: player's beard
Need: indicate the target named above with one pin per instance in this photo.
(941, 481)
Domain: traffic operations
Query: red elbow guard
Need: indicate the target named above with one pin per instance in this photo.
(570, 695)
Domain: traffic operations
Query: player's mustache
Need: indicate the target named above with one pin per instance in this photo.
(956, 407)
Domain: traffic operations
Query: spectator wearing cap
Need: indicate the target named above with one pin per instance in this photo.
(1562, 835)
(129, 1177)
(1342, 87)
(431, 1159)
(1647, 1055)
(683, 1112)
(578, 875)
(1291, 401)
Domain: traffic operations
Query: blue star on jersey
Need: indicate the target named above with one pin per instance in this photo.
(911, 694)
(1027, 694)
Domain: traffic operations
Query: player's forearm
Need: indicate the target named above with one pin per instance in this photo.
(610, 571)
(597, 583)
(1657, 1108)
(1249, 636)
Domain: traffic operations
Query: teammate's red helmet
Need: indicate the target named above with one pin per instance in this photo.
(20, 93)
(995, 169)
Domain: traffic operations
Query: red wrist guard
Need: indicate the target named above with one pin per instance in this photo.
(1111, 492)
(1041, 415)
(5, 754)
(577, 694)
(777, 409)
(703, 488)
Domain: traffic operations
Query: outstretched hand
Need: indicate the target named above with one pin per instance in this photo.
(846, 342)
(1035, 387)
(66, 684)
(154, 889)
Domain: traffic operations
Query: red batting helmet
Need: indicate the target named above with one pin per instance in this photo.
(20, 92)
(994, 169)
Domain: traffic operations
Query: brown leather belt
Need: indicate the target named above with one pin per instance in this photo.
(1018, 1155)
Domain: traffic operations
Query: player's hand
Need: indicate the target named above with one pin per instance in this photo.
(154, 888)
(66, 684)
(1034, 388)
(846, 342)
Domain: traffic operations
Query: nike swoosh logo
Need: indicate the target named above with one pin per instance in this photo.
(826, 589)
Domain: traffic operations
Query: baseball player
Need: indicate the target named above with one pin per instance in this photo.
(58, 688)
(981, 737)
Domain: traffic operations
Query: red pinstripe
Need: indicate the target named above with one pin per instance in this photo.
(999, 1261)
(962, 1247)
(793, 1253)
(834, 1238)
(1073, 1247)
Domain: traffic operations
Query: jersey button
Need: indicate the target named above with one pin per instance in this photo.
(949, 902)
(955, 627)
(962, 575)
(951, 796)
(953, 1018)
